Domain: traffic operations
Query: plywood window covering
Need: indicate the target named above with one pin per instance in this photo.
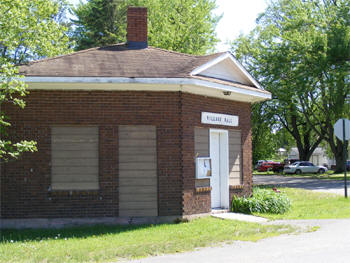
(235, 157)
(201, 142)
(201, 149)
(74, 155)
(138, 187)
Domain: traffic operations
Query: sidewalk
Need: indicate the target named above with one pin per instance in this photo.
(240, 217)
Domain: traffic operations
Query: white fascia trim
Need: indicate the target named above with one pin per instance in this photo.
(232, 89)
(217, 60)
(165, 81)
(111, 80)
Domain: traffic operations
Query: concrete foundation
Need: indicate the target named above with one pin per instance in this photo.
(71, 222)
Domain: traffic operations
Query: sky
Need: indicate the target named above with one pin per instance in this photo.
(238, 17)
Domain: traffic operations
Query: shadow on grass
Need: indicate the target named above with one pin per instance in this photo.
(27, 235)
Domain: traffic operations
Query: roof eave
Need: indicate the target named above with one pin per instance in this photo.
(191, 85)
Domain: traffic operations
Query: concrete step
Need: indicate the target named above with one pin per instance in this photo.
(219, 211)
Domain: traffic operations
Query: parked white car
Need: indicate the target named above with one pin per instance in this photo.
(304, 167)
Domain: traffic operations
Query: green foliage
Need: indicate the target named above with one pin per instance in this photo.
(29, 29)
(267, 134)
(32, 29)
(263, 139)
(262, 201)
(99, 23)
(11, 91)
(308, 204)
(186, 26)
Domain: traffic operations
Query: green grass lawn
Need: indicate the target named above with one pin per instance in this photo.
(329, 175)
(312, 205)
(255, 172)
(110, 243)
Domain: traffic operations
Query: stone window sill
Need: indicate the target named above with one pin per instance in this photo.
(203, 189)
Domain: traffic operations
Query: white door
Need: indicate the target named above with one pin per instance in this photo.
(215, 176)
(219, 177)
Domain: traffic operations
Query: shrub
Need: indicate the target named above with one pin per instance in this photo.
(262, 201)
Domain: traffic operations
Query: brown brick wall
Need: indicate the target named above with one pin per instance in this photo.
(25, 183)
(137, 24)
(197, 201)
(192, 106)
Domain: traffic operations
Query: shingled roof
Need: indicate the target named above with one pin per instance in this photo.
(136, 66)
(119, 64)
(118, 61)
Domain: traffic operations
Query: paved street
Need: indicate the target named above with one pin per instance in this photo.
(329, 244)
(329, 186)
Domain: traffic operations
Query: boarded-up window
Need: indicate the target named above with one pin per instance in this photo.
(201, 149)
(138, 171)
(74, 153)
(201, 142)
(235, 157)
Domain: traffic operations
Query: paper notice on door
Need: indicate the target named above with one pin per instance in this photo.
(203, 167)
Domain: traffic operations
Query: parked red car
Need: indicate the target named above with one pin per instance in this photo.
(269, 166)
(277, 167)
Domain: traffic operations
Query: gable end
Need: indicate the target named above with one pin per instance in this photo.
(226, 67)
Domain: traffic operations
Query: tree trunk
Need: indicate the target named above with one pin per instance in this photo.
(304, 154)
(304, 144)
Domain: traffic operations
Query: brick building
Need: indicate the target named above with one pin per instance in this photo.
(130, 133)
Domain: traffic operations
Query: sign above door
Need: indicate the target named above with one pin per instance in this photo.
(219, 119)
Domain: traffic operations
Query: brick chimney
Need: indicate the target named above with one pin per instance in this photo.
(137, 27)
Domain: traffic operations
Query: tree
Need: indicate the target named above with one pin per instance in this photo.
(263, 53)
(267, 134)
(329, 55)
(99, 23)
(29, 29)
(299, 50)
(186, 26)
(11, 88)
(263, 140)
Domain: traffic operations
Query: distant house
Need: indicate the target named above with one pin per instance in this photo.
(130, 134)
(318, 157)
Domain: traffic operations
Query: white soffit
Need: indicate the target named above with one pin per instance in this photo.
(226, 67)
(194, 86)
